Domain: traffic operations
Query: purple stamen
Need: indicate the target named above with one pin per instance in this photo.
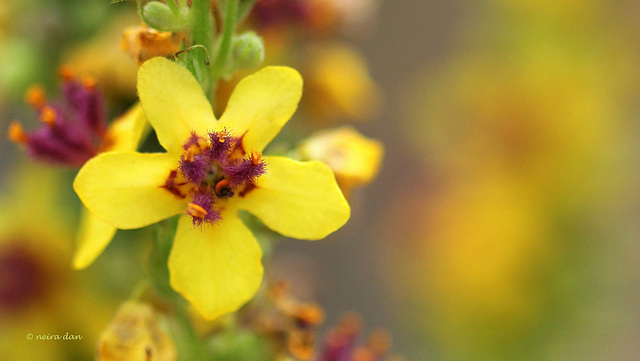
(74, 132)
(44, 144)
(195, 171)
(244, 172)
(86, 102)
(215, 170)
(220, 145)
(205, 201)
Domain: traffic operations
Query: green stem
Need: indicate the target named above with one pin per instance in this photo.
(222, 56)
(201, 31)
(190, 346)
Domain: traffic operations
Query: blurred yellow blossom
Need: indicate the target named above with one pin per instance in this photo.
(338, 84)
(135, 335)
(480, 242)
(215, 260)
(354, 158)
(526, 146)
(491, 112)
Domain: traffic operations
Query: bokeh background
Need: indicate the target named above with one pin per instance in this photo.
(503, 224)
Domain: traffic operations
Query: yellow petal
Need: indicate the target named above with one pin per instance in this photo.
(125, 189)
(354, 158)
(125, 132)
(93, 237)
(261, 105)
(173, 102)
(297, 199)
(217, 268)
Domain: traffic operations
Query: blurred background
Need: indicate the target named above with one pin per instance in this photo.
(503, 222)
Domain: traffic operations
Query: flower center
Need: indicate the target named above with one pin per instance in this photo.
(211, 170)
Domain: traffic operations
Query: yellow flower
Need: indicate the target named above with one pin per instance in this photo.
(213, 169)
(354, 158)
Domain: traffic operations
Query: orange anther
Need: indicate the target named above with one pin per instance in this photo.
(309, 314)
(48, 116)
(89, 83)
(222, 136)
(189, 154)
(220, 185)
(35, 96)
(65, 73)
(16, 133)
(196, 211)
(256, 157)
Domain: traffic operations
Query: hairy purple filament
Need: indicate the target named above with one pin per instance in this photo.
(216, 168)
(72, 132)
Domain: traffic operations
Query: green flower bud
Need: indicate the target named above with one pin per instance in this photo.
(160, 17)
(247, 51)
